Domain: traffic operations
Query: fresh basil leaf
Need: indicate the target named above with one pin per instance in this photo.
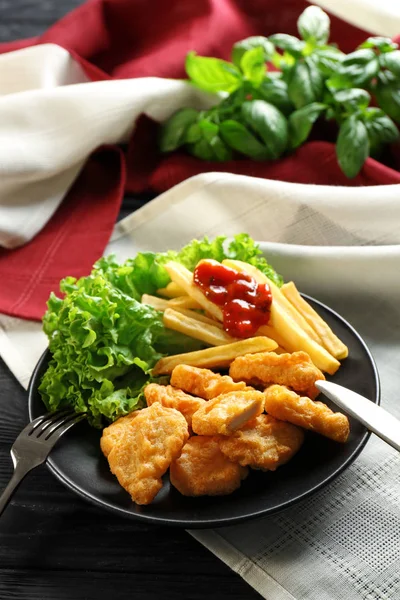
(353, 75)
(391, 60)
(253, 65)
(221, 151)
(327, 59)
(306, 84)
(287, 42)
(256, 41)
(383, 44)
(209, 130)
(381, 129)
(338, 81)
(212, 74)
(275, 91)
(353, 98)
(359, 67)
(314, 24)
(359, 57)
(301, 122)
(173, 131)
(269, 123)
(193, 134)
(202, 149)
(388, 96)
(352, 146)
(238, 137)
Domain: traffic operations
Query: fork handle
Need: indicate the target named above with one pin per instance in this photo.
(18, 475)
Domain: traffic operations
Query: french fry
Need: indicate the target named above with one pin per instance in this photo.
(157, 303)
(172, 290)
(329, 340)
(199, 317)
(184, 302)
(294, 337)
(276, 295)
(200, 331)
(162, 305)
(271, 333)
(217, 357)
(184, 278)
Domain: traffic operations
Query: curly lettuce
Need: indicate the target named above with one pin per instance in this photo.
(104, 341)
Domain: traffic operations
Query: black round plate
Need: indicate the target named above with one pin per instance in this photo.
(78, 462)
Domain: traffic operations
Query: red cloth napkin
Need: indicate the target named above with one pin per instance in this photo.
(131, 38)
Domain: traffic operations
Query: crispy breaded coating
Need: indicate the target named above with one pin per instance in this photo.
(264, 443)
(202, 469)
(289, 406)
(115, 431)
(227, 412)
(142, 454)
(294, 370)
(203, 382)
(173, 398)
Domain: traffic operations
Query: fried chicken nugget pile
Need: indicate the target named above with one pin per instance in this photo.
(231, 431)
(203, 470)
(142, 449)
(289, 406)
(296, 371)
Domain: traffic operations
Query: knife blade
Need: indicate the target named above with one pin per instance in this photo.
(374, 417)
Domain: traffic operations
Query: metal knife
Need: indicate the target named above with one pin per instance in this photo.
(375, 418)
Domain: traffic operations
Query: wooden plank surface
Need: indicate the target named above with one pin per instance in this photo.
(53, 545)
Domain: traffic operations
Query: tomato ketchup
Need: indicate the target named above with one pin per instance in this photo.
(245, 303)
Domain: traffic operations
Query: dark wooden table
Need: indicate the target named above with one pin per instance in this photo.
(53, 545)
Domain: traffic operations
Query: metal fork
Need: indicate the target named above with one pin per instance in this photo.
(33, 445)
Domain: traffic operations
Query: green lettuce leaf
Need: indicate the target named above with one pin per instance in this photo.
(104, 342)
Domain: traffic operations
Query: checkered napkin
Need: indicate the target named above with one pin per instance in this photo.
(341, 245)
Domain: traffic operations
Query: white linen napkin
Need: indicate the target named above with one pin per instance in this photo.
(46, 102)
(341, 245)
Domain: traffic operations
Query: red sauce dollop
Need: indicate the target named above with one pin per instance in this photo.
(245, 303)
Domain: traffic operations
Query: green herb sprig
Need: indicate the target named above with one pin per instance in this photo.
(264, 114)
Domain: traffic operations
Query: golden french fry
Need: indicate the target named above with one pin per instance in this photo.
(184, 278)
(294, 337)
(328, 339)
(162, 304)
(157, 303)
(171, 291)
(199, 317)
(217, 357)
(276, 295)
(184, 302)
(214, 336)
(271, 333)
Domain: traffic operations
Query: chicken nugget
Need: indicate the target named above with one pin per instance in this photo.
(294, 370)
(202, 469)
(227, 412)
(203, 382)
(143, 453)
(289, 406)
(173, 398)
(264, 443)
(115, 431)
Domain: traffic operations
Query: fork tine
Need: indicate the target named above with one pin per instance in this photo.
(54, 419)
(54, 433)
(30, 428)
